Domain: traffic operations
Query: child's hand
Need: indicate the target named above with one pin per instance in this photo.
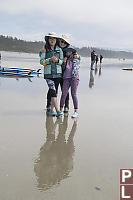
(76, 56)
(65, 59)
(74, 79)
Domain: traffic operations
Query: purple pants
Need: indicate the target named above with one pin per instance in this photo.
(67, 83)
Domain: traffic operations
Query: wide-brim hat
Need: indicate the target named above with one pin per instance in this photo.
(65, 38)
(51, 34)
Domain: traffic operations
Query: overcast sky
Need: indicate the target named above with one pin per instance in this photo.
(99, 23)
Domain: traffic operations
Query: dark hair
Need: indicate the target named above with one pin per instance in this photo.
(47, 45)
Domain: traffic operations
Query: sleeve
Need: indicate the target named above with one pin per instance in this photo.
(44, 61)
(76, 66)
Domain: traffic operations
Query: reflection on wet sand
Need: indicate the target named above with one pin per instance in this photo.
(91, 77)
(55, 160)
(91, 80)
(100, 71)
(96, 69)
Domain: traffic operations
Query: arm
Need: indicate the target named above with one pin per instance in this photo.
(42, 55)
(76, 66)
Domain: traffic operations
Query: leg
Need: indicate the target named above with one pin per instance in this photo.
(74, 87)
(67, 97)
(65, 88)
(52, 92)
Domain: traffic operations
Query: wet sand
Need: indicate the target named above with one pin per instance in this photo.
(48, 158)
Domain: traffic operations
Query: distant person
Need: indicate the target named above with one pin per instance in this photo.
(93, 59)
(97, 59)
(101, 58)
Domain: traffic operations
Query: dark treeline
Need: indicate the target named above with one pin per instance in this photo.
(8, 43)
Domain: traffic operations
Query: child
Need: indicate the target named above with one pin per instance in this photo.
(70, 79)
(52, 58)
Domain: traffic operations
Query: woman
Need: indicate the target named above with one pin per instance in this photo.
(63, 42)
(52, 58)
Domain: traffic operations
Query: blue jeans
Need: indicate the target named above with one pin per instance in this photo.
(92, 63)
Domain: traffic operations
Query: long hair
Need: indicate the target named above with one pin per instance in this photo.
(47, 45)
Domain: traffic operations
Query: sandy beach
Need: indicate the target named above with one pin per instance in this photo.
(48, 158)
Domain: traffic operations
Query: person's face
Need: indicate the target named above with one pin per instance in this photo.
(62, 43)
(69, 53)
(52, 41)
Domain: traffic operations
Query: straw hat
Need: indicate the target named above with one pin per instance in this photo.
(65, 38)
(51, 34)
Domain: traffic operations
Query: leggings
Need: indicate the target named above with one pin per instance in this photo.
(57, 82)
(67, 83)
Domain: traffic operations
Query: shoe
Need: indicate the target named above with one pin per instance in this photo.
(66, 110)
(52, 113)
(59, 113)
(75, 115)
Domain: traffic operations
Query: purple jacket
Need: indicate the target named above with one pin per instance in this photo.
(71, 68)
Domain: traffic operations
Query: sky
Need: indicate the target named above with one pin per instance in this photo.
(95, 23)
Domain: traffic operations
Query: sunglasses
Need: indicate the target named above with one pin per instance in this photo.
(63, 42)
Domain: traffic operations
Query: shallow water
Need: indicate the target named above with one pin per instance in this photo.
(48, 158)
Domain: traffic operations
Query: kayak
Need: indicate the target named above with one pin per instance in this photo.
(15, 68)
(130, 69)
(15, 74)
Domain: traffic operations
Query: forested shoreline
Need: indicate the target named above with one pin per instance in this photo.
(8, 43)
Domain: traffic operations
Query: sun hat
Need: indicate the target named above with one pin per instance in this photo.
(51, 34)
(65, 38)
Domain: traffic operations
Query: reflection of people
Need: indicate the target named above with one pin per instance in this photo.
(96, 70)
(97, 60)
(55, 160)
(101, 58)
(100, 71)
(93, 58)
(91, 81)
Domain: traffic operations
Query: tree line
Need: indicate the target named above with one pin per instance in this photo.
(8, 43)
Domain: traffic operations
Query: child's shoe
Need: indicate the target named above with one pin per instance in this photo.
(75, 115)
(59, 113)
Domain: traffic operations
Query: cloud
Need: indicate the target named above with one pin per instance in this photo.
(95, 23)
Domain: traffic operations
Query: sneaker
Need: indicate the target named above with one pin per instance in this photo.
(52, 113)
(75, 115)
(59, 113)
(66, 110)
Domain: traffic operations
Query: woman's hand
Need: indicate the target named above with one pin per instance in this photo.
(54, 59)
(65, 59)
